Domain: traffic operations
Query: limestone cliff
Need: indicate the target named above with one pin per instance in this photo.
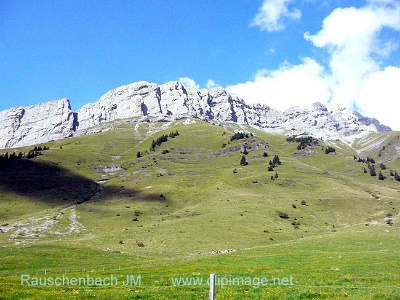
(21, 126)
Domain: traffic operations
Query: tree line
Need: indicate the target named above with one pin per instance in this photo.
(158, 141)
(5, 158)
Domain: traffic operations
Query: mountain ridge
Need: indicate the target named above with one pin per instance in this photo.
(52, 120)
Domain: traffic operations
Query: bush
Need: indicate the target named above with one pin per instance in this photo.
(283, 215)
(330, 149)
(239, 136)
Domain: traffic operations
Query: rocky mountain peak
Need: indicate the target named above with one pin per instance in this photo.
(39, 123)
(170, 101)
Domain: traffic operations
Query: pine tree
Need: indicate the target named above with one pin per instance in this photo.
(276, 160)
(243, 161)
(153, 145)
(396, 176)
(138, 155)
(372, 171)
(381, 177)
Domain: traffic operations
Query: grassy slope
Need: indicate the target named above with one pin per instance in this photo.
(208, 207)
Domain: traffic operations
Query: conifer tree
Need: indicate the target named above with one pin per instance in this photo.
(372, 171)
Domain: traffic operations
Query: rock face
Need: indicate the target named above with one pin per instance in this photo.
(171, 101)
(21, 126)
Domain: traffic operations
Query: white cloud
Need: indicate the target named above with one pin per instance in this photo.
(380, 96)
(188, 82)
(286, 87)
(355, 76)
(211, 84)
(273, 13)
(351, 37)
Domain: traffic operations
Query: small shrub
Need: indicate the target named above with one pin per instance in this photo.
(283, 215)
(330, 149)
(243, 161)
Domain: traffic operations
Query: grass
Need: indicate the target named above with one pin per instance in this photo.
(340, 248)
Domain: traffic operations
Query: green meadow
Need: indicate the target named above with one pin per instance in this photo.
(88, 208)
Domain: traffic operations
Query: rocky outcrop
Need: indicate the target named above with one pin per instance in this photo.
(21, 126)
(171, 101)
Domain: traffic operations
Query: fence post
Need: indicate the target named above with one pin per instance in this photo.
(211, 295)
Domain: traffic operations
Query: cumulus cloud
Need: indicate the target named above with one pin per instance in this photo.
(211, 84)
(273, 14)
(188, 82)
(351, 37)
(380, 96)
(286, 87)
(355, 75)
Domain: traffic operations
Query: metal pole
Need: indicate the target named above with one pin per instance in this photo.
(211, 295)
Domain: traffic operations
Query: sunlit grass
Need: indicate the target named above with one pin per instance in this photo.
(341, 248)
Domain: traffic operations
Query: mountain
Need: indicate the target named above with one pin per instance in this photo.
(53, 120)
(34, 124)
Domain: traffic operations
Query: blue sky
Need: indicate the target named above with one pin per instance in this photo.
(279, 52)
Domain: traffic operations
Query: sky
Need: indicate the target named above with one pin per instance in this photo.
(282, 53)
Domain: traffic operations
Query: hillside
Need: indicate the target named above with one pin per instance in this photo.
(90, 204)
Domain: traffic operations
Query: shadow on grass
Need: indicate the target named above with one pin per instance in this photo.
(53, 184)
